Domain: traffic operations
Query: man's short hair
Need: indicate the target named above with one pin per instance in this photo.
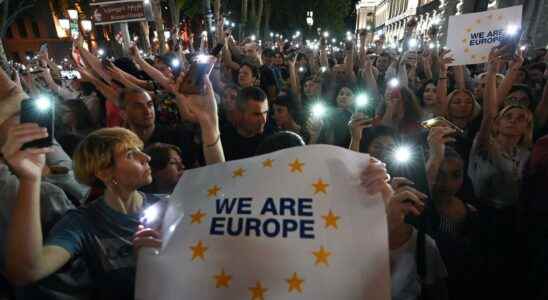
(122, 101)
(249, 94)
(252, 66)
(96, 153)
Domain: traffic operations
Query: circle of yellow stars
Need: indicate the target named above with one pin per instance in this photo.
(468, 30)
(295, 282)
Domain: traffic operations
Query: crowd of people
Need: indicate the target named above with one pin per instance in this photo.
(465, 222)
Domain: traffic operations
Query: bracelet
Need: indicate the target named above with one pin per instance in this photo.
(216, 141)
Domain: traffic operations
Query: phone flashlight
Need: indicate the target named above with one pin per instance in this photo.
(523, 48)
(394, 83)
(512, 29)
(41, 111)
(413, 43)
(318, 110)
(202, 58)
(323, 69)
(150, 215)
(301, 69)
(175, 63)
(101, 52)
(431, 45)
(253, 37)
(402, 154)
(326, 34)
(362, 101)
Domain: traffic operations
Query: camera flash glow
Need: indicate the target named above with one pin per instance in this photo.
(253, 37)
(150, 214)
(326, 34)
(101, 52)
(271, 34)
(318, 110)
(393, 83)
(362, 100)
(402, 154)
(512, 29)
(413, 43)
(301, 69)
(175, 63)
(42, 103)
(323, 69)
(297, 33)
(334, 41)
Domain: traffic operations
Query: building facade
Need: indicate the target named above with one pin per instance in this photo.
(391, 16)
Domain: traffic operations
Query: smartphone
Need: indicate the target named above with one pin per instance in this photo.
(193, 82)
(40, 110)
(441, 121)
(510, 43)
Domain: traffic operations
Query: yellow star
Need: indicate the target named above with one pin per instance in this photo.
(321, 256)
(465, 41)
(468, 29)
(198, 251)
(257, 292)
(466, 50)
(331, 220)
(473, 56)
(240, 172)
(213, 191)
(296, 166)
(478, 21)
(320, 187)
(222, 280)
(295, 283)
(268, 163)
(197, 217)
(484, 57)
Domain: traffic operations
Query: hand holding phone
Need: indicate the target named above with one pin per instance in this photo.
(39, 110)
(193, 81)
(441, 122)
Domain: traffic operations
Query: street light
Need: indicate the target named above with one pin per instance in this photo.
(86, 25)
(73, 14)
(310, 18)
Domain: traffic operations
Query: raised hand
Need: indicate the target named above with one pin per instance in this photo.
(26, 164)
(405, 200)
(202, 108)
(445, 59)
(357, 124)
(374, 178)
(438, 137)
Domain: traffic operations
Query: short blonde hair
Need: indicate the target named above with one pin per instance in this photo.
(96, 153)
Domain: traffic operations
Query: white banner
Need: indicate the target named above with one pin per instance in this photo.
(294, 224)
(470, 37)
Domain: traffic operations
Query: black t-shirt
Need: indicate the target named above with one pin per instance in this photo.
(182, 137)
(268, 78)
(236, 146)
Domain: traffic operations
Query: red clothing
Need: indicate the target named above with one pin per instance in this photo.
(113, 115)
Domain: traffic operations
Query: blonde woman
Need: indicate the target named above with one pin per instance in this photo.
(498, 156)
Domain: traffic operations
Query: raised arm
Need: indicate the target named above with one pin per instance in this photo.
(107, 90)
(349, 65)
(27, 260)
(227, 58)
(510, 78)
(438, 137)
(166, 83)
(441, 87)
(294, 78)
(52, 85)
(93, 62)
(490, 99)
(204, 108)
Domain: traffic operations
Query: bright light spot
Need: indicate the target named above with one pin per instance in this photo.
(175, 63)
(431, 122)
(323, 69)
(400, 49)
(349, 38)
(297, 33)
(204, 33)
(227, 22)
(212, 29)
(522, 48)
(172, 228)
(301, 69)
(167, 34)
(253, 37)
(233, 24)
(512, 29)
(348, 33)
(28, 57)
(413, 43)
(402, 154)
(42, 103)
(101, 52)
(202, 58)
(362, 100)
(368, 27)
(393, 83)
(431, 45)
(271, 34)
(318, 110)
(326, 34)
(436, 20)
(150, 214)
(334, 41)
